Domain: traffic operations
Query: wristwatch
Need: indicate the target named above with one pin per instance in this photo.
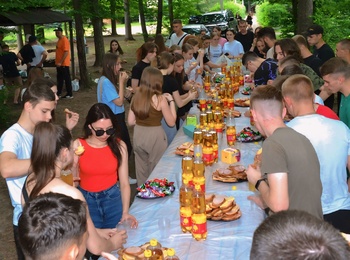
(258, 183)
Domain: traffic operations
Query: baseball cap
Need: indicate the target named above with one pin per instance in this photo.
(59, 29)
(32, 38)
(314, 29)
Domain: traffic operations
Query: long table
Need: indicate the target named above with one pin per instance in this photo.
(225, 240)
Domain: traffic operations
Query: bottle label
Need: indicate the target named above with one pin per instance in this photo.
(215, 154)
(186, 222)
(207, 158)
(199, 228)
(231, 138)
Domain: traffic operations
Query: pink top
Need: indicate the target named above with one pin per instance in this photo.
(222, 41)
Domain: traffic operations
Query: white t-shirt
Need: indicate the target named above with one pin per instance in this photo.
(175, 40)
(270, 53)
(18, 141)
(38, 50)
(193, 75)
(214, 53)
(234, 48)
(331, 140)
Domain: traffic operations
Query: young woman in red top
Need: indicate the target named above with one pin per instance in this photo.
(103, 169)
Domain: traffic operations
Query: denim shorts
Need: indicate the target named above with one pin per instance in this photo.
(105, 207)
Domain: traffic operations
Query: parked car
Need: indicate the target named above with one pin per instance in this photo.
(195, 29)
(194, 19)
(225, 19)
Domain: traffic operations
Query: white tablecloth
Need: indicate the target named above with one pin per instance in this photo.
(225, 240)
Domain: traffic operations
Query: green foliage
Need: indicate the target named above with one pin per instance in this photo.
(334, 17)
(235, 8)
(274, 15)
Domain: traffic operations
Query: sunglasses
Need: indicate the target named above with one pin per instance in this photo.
(101, 132)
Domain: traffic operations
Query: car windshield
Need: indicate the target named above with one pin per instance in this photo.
(212, 18)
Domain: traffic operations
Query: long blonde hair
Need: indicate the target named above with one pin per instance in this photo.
(151, 83)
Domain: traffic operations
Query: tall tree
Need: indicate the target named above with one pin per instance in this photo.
(128, 34)
(159, 17)
(79, 29)
(304, 17)
(143, 20)
(113, 15)
(98, 35)
(171, 11)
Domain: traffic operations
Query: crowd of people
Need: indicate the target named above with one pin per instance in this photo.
(302, 180)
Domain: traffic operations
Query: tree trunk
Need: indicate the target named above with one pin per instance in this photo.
(98, 36)
(79, 29)
(143, 20)
(295, 14)
(128, 34)
(159, 17)
(305, 8)
(171, 11)
(113, 20)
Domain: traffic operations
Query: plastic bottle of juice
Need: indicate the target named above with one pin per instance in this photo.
(197, 135)
(171, 254)
(186, 193)
(208, 149)
(210, 117)
(230, 129)
(199, 218)
(203, 117)
(198, 173)
(156, 249)
(202, 100)
(215, 144)
(187, 164)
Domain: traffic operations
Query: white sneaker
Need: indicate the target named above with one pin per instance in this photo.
(132, 181)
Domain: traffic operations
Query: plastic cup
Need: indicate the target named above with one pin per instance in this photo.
(164, 227)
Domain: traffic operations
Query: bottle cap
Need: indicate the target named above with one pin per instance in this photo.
(147, 253)
(170, 252)
(153, 242)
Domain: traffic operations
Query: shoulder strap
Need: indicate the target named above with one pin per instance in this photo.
(183, 36)
(24, 191)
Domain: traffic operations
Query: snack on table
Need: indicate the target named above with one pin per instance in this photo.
(182, 149)
(131, 253)
(235, 113)
(234, 173)
(79, 150)
(246, 90)
(242, 102)
(137, 252)
(156, 188)
(248, 135)
(220, 207)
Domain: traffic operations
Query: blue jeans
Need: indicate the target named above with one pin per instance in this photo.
(105, 207)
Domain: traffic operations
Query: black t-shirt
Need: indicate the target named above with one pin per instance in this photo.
(266, 71)
(137, 70)
(314, 63)
(324, 53)
(27, 53)
(182, 110)
(246, 40)
(169, 84)
(8, 61)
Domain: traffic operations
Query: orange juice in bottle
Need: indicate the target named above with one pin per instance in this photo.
(207, 149)
(187, 164)
(203, 117)
(209, 114)
(186, 194)
(199, 218)
(217, 116)
(197, 135)
(215, 145)
(198, 172)
(230, 129)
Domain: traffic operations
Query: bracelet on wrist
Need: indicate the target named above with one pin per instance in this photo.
(259, 182)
